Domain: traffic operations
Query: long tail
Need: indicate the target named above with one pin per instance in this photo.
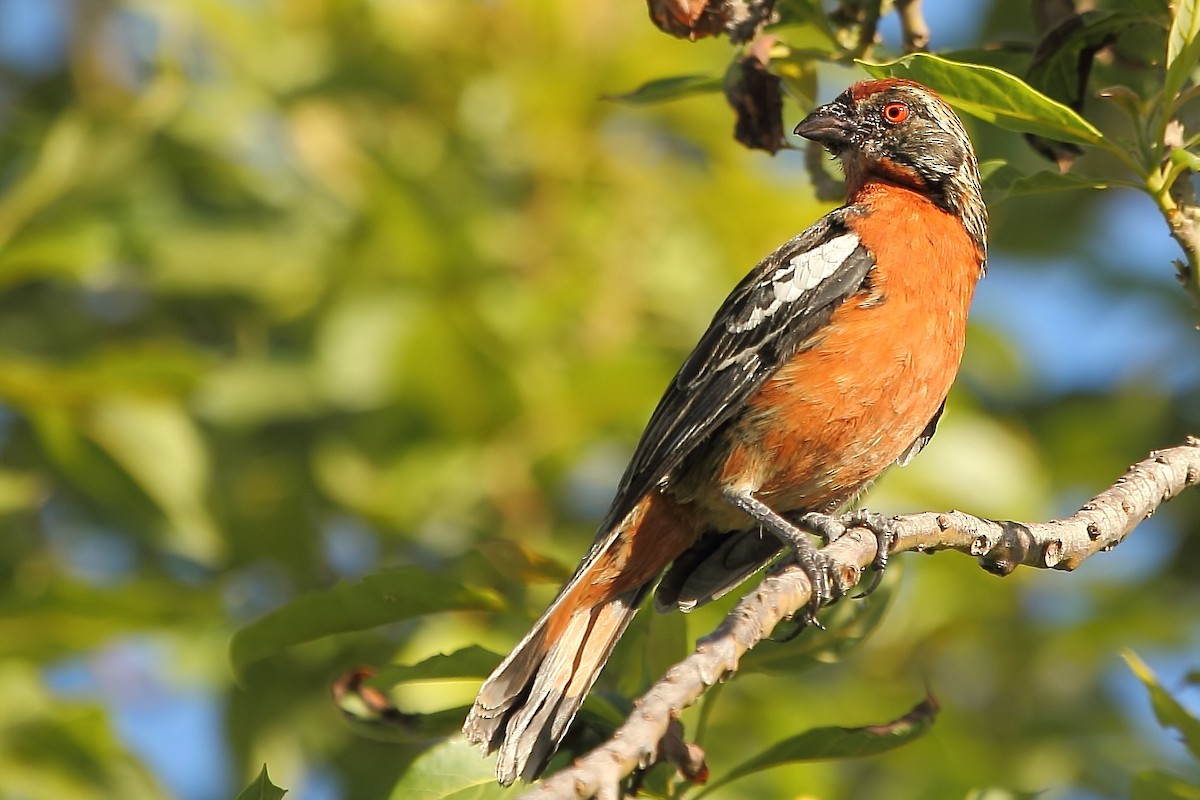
(528, 702)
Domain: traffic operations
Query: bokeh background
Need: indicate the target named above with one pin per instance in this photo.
(293, 291)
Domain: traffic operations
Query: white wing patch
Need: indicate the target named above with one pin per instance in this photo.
(801, 273)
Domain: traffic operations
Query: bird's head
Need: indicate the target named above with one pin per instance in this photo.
(901, 132)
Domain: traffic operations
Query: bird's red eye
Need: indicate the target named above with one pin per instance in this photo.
(895, 113)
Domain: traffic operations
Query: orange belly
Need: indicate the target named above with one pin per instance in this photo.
(843, 409)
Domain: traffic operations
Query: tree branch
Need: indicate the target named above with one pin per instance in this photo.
(1099, 525)
(913, 27)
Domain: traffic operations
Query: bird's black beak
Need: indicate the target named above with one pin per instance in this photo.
(831, 125)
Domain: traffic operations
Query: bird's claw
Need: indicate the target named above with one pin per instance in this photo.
(826, 589)
(827, 584)
(884, 529)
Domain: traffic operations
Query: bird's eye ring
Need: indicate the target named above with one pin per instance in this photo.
(895, 113)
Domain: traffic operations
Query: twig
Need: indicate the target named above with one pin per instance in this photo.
(913, 27)
(1099, 525)
(1184, 220)
(1172, 190)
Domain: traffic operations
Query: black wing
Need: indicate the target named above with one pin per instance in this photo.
(909, 454)
(767, 319)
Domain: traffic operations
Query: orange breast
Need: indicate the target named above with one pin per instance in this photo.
(841, 411)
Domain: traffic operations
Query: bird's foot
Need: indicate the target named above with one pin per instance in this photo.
(826, 584)
(831, 528)
(884, 529)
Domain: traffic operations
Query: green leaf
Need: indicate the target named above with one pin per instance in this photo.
(376, 600)
(145, 435)
(261, 788)
(1185, 159)
(846, 625)
(19, 491)
(1183, 47)
(1007, 182)
(469, 663)
(1056, 70)
(822, 744)
(663, 89)
(667, 643)
(1159, 785)
(993, 96)
(452, 770)
(798, 71)
(1167, 710)
(1185, 30)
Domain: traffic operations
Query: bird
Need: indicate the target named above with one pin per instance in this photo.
(830, 361)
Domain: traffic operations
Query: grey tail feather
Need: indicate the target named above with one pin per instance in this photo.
(527, 704)
(713, 566)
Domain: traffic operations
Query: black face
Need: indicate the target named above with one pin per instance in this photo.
(894, 131)
(900, 132)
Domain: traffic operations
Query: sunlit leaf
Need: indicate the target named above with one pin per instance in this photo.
(994, 96)
(1186, 159)
(452, 770)
(1183, 47)
(1169, 712)
(157, 443)
(822, 744)
(1185, 27)
(472, 663)
(19, 491)
(261, 788)
(372, 713)
(798, 71)
(375, 600)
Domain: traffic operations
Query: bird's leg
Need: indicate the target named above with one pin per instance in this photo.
(831, 528)
(816, 565)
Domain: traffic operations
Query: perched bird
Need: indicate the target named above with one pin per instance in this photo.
(828, 363)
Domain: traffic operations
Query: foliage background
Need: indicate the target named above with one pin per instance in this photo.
(294, 291)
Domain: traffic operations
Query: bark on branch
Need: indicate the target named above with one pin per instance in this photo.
(1099, 525)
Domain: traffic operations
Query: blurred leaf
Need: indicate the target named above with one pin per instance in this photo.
(255, 392)
(1183, 47)
(62, 158)
(993, 96)
(1062, 63)
(1006, 182)
(846, 626)
(261, 788)
(78, 248)
(70, 617)
(157, 443)
(49, 748)
(452, 770)
(1169, 712)
(19, 491)
(371, 712)
(667, 643)
(1062, 66)
(1186, 159)
(822, 744)
(1159, 785)
(663, 89)
(376, 600)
